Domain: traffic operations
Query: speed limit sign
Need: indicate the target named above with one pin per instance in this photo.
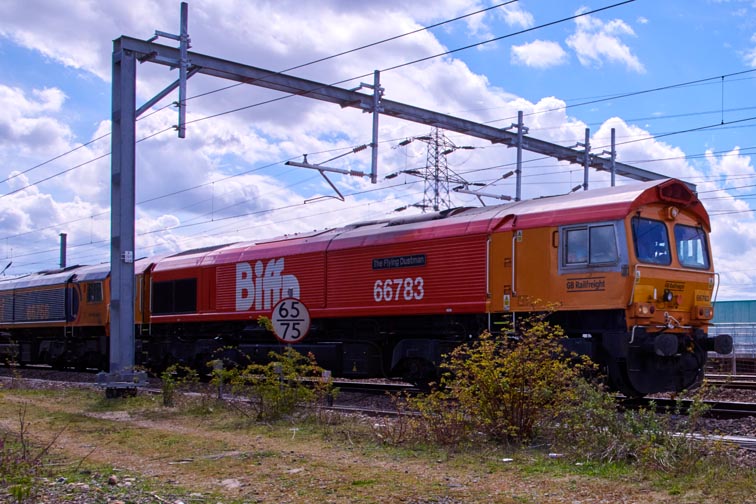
(291, 320)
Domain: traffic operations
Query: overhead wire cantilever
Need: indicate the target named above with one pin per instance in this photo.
(322, 169)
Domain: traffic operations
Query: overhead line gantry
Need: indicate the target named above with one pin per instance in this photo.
(127, 51)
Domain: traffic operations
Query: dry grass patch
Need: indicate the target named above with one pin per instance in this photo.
(220, 457)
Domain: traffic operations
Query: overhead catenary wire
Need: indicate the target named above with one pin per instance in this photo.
(415, 61)
(581, 14)
(276, 163)
(578, 15)
(296, 67)
(227, 218)
(420, 60)
(633, 93)
(169, 129)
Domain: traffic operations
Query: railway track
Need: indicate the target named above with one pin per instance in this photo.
(375, 387)
(746, 382)
(715, 409)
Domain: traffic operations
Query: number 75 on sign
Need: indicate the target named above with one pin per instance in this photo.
(291, 320)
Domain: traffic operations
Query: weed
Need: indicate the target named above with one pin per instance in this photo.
(10, 357)
(175, 377)
(592, 429)
(405, 428)
(20, 464)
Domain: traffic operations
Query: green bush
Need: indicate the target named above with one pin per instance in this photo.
(592, 428)
(509, 388)
(173, 379)
(276, 389)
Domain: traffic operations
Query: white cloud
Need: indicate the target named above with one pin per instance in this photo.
(27, 122)
(731, 166)
(749, 55)
(514, 15)
(539, 54)
(596, 42)
(191, 197)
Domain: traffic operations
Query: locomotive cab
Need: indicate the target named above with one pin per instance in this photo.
(671, 302)
(627, 272)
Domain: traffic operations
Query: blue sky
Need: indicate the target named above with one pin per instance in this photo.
(227, 182)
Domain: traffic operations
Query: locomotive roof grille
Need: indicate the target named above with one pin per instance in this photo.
(676, 193)
(201, 250)
(412, 219)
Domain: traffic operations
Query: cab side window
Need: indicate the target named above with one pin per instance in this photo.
(603, 245)
(590, 245)
(94, 292)
(577, 246)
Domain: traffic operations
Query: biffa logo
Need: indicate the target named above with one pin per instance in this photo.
(266, 287)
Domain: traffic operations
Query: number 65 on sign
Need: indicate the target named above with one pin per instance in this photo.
(291, 320)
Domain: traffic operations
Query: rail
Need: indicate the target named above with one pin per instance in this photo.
(742, 361)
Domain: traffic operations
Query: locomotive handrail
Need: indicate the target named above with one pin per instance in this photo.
(635, 282)
(515, 235)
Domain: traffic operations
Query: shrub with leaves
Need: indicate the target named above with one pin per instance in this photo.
(175, 377)
(592, 428)
(508, 387)
(290, 380)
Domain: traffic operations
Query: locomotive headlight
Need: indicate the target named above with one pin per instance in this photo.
(672, 213)
(703, 312)
(644, 309)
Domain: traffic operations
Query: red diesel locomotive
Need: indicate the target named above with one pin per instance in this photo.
(628, 270)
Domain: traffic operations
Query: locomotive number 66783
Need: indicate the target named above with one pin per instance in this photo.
(398, 289)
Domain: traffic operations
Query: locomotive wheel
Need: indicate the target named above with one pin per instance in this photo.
(419, 372)
(618, 380)
(231, 358)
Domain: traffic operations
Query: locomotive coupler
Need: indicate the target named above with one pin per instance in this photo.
(670, 321)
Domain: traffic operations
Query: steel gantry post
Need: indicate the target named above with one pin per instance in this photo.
(122, 209)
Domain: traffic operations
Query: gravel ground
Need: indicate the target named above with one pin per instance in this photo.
(99, 488)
